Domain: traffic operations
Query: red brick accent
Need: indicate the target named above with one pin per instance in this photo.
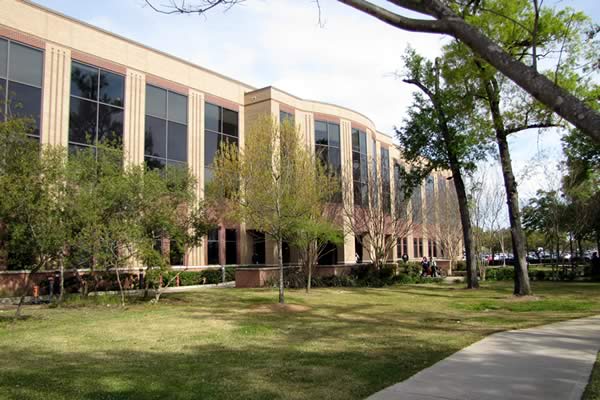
(219, 101)
(356, 125)
(167, 84)
(287, 109)
(326, 117)
(98, 62)
(22, 37)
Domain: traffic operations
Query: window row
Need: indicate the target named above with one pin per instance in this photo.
(21, 73)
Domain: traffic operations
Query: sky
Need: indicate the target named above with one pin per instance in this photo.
(348, 59)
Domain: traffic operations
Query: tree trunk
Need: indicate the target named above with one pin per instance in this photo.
(463, 206)
(61, 295)
(120, 288)
(308, 281)
(522, 286)
(280, 262)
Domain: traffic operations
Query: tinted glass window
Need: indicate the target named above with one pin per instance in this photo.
(363, 142)
(25, 65)
(334, 135)
(227, 140)
(177, 142)
(221, 128)
(230, 235)
(355, 140)
(2, 98)
(334, 158)
(177, 106)
(213, 253)
(24, 101)
(212, 119)
(156, 102)
(110, 125)
(155, 163)
(156, 137)
(230, 252)
(211, 145)
(111, 88)
(82, 121)
(320, 132)
(230, 122)
(322, 154)
(3, 57)
(84, 81)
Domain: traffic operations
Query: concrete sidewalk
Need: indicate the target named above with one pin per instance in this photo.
(549, 362)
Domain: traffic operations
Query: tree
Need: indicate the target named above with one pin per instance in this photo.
(436, 135)
(486, 209)
(271, 185)
(447, 228)
(31, 200)
(312, 238)
(532, 35)
(452, 18)
(126, 211)
(371, 218)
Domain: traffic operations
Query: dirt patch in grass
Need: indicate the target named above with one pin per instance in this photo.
(286, 308)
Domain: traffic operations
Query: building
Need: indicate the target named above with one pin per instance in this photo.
(74, 78)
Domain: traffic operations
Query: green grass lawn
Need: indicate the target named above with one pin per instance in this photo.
(340, 343)
(592, 392)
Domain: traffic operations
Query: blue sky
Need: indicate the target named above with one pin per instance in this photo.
(349, 60)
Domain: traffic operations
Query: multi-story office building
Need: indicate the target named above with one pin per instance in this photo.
(83, 84)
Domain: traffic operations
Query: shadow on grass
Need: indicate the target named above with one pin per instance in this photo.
(210, 372)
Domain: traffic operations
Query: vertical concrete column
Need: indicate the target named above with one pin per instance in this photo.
(55, 95)
(196, 255)
(348, 255)
(306, 126)
(270, 251)
(245, 252)
(135, 117)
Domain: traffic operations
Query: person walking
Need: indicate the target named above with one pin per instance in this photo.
(405, 258)
(433, 267)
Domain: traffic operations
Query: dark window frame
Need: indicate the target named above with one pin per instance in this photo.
(7, 78)
(98, 104)
(220, 134)
(360, 183)
(166, 161)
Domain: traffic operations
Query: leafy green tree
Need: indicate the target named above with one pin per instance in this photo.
(125, 212)
(31, 200)
(546, 213)
(533, 35)
(436, 135)
(273, 184)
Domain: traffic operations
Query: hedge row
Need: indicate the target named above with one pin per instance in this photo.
(360, 276)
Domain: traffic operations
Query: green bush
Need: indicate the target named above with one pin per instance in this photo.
(500, 274)
(412, 268)
(460, 266)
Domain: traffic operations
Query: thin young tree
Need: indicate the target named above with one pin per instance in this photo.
(371, 217)
(436, 135)
(271, 184)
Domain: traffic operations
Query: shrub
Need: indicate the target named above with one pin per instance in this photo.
(412, 268)
(500, 274)
(460, 266)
